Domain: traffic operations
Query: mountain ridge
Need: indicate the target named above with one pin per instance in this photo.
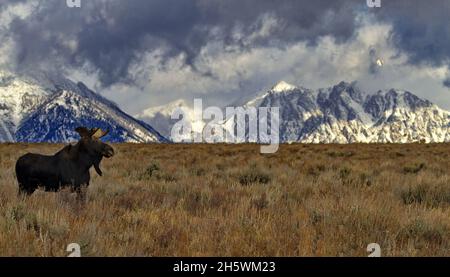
(49, 108)
(343, 113)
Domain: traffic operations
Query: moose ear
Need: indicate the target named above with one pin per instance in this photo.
(99, 133)
(83, 131)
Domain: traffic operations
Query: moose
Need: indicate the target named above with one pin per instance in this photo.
(67, 168)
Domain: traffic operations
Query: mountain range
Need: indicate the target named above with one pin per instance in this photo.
(339, 114)
(47, 108)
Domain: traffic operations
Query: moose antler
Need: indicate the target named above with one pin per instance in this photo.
(95, 133)
(99, 133)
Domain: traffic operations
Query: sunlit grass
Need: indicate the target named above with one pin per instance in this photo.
(219, 200)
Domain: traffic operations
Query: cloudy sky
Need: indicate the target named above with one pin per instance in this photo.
(143, 53)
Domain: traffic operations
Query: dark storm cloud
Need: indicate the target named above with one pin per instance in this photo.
(300, 19)
(111, 35)
(421, 28)
(446, 82)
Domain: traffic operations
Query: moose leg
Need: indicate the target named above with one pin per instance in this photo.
(81, 193)
(26, 189)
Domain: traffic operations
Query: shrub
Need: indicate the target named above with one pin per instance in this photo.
(316, 170)
(425, 232)
(260, 202)
(427, 194)
(334, 154)
(254, 175)
(197, 171)
(152, 168)
(154, 171)
(165, 177)
(414, 194)
(414, 169)
(344, 173)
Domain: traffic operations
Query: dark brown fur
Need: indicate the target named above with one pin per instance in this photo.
(67, 168)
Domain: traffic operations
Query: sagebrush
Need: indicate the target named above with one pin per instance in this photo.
(229, 200)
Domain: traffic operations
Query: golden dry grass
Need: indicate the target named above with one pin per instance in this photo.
(218, 200)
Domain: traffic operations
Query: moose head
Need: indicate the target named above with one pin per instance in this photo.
(91, 144)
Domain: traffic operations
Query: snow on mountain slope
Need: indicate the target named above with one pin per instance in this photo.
(45, 108)
(403, 117)
(282, 86)
(160, 118)
(18, 97)
(344, 114)
(296, 104)
(341, 114)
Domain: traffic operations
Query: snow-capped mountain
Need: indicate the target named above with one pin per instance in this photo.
(18, 98)
(339, 114)
(47, 108)
(344, 114)
(160, 118)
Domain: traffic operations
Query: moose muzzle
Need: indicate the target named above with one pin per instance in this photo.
(108, 152)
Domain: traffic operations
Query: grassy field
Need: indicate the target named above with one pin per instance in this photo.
(203, 200)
